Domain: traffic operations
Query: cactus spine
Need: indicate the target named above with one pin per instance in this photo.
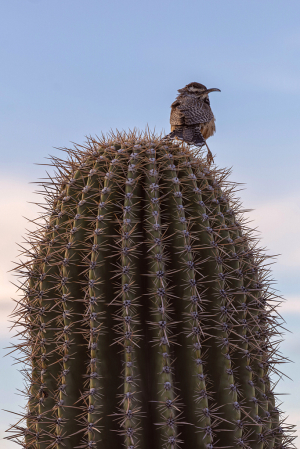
(148, 316)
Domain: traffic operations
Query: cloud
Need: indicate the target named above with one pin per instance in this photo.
(6, 307)
(14, 206)
(278, 223)
(290, 305)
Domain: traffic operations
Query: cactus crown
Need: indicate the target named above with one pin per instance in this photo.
(148, 317)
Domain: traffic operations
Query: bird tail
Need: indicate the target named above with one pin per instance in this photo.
(189, 134)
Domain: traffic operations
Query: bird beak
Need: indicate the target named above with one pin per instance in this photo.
(207, 91)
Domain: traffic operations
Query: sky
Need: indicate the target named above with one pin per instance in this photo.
(74, 68)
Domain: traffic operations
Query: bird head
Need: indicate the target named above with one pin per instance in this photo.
(199, 90)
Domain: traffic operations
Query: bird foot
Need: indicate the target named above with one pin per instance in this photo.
(209, 156)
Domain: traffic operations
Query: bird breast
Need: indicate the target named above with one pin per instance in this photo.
(189, 110)
(208, 129)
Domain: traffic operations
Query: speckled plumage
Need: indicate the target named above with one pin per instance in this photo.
(192, 119)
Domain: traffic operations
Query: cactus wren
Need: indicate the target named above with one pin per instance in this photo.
(191, 117)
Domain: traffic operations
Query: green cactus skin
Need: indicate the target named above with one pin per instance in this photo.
(148, 314)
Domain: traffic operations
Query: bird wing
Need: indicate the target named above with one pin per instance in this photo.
(188, 110)
(177, 117)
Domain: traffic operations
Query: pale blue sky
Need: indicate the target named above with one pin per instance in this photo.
(71, 68)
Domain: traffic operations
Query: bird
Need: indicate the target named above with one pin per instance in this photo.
(192, 119)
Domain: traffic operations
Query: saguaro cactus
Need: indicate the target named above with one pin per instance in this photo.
(148, 319)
